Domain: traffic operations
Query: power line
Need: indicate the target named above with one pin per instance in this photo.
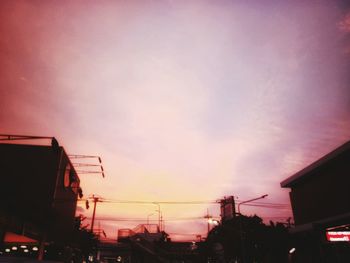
(159, 202)
(143, 219)
(264, 203)
(275, 217)
(180, 234)
(110, 201)
(270, 206)
(106, 200)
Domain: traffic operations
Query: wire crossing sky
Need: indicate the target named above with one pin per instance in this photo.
(183, 100)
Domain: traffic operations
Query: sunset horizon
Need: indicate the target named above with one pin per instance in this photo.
(185, 102)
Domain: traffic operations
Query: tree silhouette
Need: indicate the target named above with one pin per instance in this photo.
(248, 239)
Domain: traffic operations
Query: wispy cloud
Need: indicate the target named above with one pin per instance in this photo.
(183, 100)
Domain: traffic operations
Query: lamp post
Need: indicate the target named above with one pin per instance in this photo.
(248, 201)
(148, 218)
(157, 204)
(240, 223)
(84, 165)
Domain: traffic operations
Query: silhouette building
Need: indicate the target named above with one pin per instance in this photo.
(320, 199)
(39, 188)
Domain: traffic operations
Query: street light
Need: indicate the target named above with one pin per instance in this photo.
(214, 222)
(157, 204)
(148, 218)
(248, 201)
(240, 223)
(80, 156)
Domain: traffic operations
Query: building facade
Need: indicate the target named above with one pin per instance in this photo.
(320, 199)
(39, 188)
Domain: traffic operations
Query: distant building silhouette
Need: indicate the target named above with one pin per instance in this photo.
(146, 243)
(320, 199)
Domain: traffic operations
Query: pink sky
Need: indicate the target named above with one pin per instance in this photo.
(183, 100)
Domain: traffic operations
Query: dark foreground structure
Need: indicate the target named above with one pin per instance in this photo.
(320, 200)
(39, 188)
(147, 244)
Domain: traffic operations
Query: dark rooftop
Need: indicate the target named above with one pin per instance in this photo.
(307, 171)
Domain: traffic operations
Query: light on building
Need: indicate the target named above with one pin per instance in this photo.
(14, 248)
(7, 250)
(35, 249)
(335, 236)
(292, 250)
(26, 251)
(23, 246)
(119, 259)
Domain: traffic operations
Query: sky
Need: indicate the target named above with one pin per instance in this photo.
(183, 100)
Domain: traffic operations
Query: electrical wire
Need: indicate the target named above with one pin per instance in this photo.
(111, 219)
(105, 200)
(159, 202)
(180, 234)
(263, 203)
(269, 206)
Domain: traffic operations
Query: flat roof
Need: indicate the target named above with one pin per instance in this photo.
(302, 174)
(38, 146)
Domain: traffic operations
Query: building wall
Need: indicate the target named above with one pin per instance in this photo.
(323, 194)
(27, 183)
(33, 197)
(64, 199)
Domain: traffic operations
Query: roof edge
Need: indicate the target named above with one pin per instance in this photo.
(323, 160)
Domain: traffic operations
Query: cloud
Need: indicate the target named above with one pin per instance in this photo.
(344, 24)
(80, 210)
(183, 101)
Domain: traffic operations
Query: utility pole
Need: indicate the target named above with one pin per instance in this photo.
(208, 217)
(161, 222)
(95, 200)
